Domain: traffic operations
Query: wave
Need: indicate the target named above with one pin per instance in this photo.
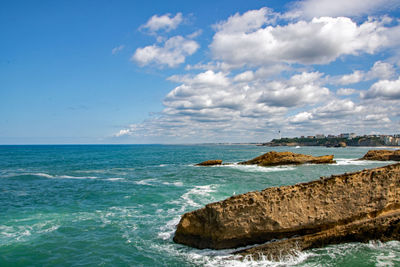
(17, 233)
(194, 198)
(49, 176)
(208, 257)
(255, 168)
(149, 181)
(357, 162)
(173, 183)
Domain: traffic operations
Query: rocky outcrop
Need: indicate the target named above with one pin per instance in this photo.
(210, 162)
(384, 227)
(274, 158)
(382, 155)
(356, 206)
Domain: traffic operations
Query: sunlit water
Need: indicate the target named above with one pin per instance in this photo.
(119, 205)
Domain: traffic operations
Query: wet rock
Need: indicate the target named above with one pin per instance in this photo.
(210, 162)
(357, 206)
(382, 155)
(274, 158)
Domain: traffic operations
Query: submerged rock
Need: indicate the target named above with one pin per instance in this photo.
(210, 162)
(357, 206)
(382, 155)
(274, 158)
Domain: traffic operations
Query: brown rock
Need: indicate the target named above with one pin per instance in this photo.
(382, 155)
(340, 205)
(383, 227)
(274, 158)
(210, 162)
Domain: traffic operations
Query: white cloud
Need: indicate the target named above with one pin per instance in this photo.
(318, 8)
(319, 41)
(172, 53)
(246, 76)
(384, 89)
(256, 81)
(355, 77)
(346, 91)
(301, 117)
(250, 21)
(300, 89)
(165, 22)
(380, 70)
(123, 132)
(117, 49)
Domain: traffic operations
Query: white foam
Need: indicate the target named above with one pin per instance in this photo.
(60, 176)
(199, 190)
(115, 179)
(16, 233)
(357, 162)
(255, 168)
(41, 174)
(173, 183)
(213, 258)
(150, 181)
(168, 229)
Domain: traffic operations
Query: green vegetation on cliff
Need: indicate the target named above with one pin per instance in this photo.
(335, 141)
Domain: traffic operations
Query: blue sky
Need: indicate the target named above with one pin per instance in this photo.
(196, 71)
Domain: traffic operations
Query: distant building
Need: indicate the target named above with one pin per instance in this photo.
(319, 136)
(347, 135)
(310, 137)
(331, 136)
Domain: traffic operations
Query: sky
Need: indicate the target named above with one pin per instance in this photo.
(178, 72)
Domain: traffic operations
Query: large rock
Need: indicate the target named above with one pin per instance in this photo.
(210, 162)
(330, 210)
(382, 155)
(274, 158)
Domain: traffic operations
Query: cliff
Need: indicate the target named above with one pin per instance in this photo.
(355, 206)
(273, 158)
(382, 155)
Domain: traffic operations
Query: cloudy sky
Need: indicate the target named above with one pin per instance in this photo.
(197, 71)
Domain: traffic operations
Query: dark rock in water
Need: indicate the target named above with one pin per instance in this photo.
(210, 162)
(357, 206)
(274, 158)
(382, 155)
(341, 144)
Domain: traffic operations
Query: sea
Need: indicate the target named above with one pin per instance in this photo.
(119, 205)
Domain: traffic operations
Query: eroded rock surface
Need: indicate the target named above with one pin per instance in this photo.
(210, 162)
(382, 155)
(356, 206)
(274, 158)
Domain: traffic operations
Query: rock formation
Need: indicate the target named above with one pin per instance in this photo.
(210, 162)
(357, 206)
(274, 158)
(382, 155)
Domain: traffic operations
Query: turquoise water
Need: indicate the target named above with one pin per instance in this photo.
(118, 205)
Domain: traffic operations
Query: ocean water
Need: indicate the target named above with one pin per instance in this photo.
(118, 205)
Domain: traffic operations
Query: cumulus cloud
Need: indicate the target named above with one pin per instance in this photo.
(384, 89)
(346, 91)
(261, 77)
(165, 22)
(319, 41)
(172, 53)
(355, 77)
(380, 70)
(299, 90)
(319, 8)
